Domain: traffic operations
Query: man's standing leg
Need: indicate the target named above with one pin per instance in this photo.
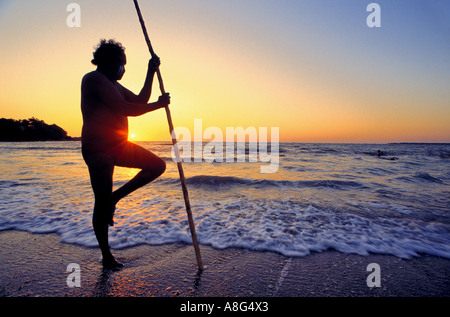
(101, 169)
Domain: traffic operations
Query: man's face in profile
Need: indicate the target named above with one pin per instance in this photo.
(120, 67)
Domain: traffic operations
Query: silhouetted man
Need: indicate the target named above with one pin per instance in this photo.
(106, 106)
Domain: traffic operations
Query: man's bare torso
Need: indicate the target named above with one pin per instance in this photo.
(103, 126)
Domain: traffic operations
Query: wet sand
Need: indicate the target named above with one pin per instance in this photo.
(35, 265)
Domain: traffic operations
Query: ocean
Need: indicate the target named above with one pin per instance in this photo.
(323, 196)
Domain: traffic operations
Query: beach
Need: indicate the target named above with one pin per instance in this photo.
(34, 265)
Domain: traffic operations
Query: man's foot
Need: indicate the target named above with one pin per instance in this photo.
(113, 210)
(111, 264)
(111, 220)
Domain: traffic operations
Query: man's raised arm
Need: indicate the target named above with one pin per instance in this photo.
(110, 96)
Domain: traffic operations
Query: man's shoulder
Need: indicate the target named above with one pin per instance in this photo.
(94, 75)
(94, 79)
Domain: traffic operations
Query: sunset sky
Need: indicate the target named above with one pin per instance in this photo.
(313, 68)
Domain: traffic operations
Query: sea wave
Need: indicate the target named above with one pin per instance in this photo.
(44, 146)
(428, 177)
(218, 181)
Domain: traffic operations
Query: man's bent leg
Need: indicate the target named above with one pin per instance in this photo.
(135, 156)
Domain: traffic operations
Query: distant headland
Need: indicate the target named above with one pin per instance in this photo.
(31, 129)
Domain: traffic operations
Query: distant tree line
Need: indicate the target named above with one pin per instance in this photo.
(31, 129)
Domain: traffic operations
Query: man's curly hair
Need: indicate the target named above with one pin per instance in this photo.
(107, 52)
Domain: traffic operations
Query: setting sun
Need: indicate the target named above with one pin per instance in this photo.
(132, 136)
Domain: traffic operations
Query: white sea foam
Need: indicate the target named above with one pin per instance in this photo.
(246, 225)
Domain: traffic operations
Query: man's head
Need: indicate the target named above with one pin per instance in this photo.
(110, 58)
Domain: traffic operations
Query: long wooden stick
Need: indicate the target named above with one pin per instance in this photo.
(174, 142)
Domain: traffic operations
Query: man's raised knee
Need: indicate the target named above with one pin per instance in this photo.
(161, 167)
(156, 169)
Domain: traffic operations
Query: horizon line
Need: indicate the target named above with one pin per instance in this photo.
(268, 142)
